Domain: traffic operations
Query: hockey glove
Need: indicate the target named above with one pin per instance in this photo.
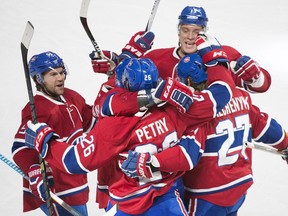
(36, 183)
(246, 69)
(137, 165)
(38, 135)
(175, 93)
(138, 45)
(105, 65)
(210, 50)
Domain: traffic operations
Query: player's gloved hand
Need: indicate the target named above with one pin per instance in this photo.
(175, 93)
(105, 65)
(139, 43)
(246, 69)
(210, 50)
(138, 165)
(36, 183)
(38, 135)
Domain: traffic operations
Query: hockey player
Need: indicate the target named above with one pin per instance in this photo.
(67, 112)
(217, 185)
(245, 71)
(153, 132)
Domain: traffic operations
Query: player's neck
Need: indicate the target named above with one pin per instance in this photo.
(180, 53)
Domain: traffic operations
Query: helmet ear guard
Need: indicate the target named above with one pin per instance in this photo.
(119, 70)
(39, 78)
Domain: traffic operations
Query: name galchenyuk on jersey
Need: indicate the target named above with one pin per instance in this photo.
(234, 105)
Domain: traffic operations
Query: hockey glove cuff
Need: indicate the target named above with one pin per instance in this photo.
(138, 45)
(175, 93)
(36, 182)
(138, 165)
(38, 135)
(210, 50)
(247, 69)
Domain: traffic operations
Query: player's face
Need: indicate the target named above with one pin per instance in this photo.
(187, 37)
(54, 81)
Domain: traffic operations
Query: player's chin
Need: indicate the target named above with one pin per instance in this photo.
(189, 49)
(59, 90)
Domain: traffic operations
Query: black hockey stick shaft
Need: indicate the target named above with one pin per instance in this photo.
(83, 19)
(25, 42)
(152, 15)
(54, 196)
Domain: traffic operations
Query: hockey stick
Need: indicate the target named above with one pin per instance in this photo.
(265, 148)
(54, 196)
(25, 42)
(83, 19)
(152, 15)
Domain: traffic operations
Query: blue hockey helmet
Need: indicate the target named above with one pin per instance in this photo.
(191, 15)
(192, 66)
(140, 74)
(44, 62)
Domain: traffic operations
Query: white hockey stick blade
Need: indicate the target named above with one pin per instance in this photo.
(28, 34)
(84, 8)
(265, 148)
(152, 15)
(112, 211)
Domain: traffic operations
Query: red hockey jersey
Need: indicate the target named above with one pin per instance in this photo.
(224, 172)
(69, 118)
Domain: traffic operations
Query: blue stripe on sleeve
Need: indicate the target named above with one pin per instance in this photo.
(106, 109)
(273, 134)
(221, 95)
(71, 162)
